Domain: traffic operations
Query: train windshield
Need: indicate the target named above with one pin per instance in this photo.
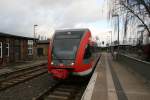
(65, 49)
(65, 46)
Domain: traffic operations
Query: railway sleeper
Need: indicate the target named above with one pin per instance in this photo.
(62, 92)
(65, 89)
(56, 97)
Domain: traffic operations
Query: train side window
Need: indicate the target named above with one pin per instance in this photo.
(87, 54)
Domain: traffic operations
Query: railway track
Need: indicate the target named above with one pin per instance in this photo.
(11, 79)
(64, 90)
(71, 89)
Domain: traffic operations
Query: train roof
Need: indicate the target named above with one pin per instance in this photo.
(70, 33)
(67, 30)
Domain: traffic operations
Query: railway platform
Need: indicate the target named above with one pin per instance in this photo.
(115, 81)
(22, 65)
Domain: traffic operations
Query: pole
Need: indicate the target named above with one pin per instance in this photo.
(34, 41)
(34, 30)
(111, 42)
(116, 15)
(118, 33)
(111, 37)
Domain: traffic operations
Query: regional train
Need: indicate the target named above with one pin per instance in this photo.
(70, 53)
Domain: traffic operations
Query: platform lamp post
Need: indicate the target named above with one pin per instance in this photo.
(34, 27)
(116, 15)
(34, 42)
(111, 41)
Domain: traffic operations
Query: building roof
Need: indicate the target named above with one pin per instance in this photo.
(14, 36)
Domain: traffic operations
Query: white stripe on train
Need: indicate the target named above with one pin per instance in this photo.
(84, 73)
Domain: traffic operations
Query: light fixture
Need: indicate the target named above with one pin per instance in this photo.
(52, 63)
(72, 64)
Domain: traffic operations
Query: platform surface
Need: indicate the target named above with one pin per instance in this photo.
(113, 81)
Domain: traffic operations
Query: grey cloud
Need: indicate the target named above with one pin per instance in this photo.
(19, 16)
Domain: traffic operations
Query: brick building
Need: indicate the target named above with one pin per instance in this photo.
(15, 48)
(42, 48)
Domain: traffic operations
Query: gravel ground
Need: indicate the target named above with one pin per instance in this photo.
(27, 90)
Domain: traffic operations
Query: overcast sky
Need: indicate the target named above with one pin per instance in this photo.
(19, 16)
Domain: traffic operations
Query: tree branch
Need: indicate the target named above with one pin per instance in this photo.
(145, 6)
(128, 8)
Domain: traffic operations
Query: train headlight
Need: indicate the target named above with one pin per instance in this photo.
(52, 63)
(72, 64)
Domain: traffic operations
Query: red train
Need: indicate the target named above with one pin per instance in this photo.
(70, 52)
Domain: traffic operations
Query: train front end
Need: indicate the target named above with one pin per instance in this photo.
(62, 53)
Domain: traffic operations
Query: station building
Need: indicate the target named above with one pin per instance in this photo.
(15, 48)
(42, 49)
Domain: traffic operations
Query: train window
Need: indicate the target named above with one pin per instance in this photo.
(87, 54)
(0, 49)
(65, 48)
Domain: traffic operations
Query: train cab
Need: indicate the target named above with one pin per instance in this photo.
(70, 52)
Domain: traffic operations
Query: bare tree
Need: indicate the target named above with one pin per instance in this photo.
(138, 9)
(136, 13)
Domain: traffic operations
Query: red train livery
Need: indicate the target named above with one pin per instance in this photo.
(70, 53)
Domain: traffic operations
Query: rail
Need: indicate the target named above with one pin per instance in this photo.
(71, 89)
(21, 76)
(63, 90)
